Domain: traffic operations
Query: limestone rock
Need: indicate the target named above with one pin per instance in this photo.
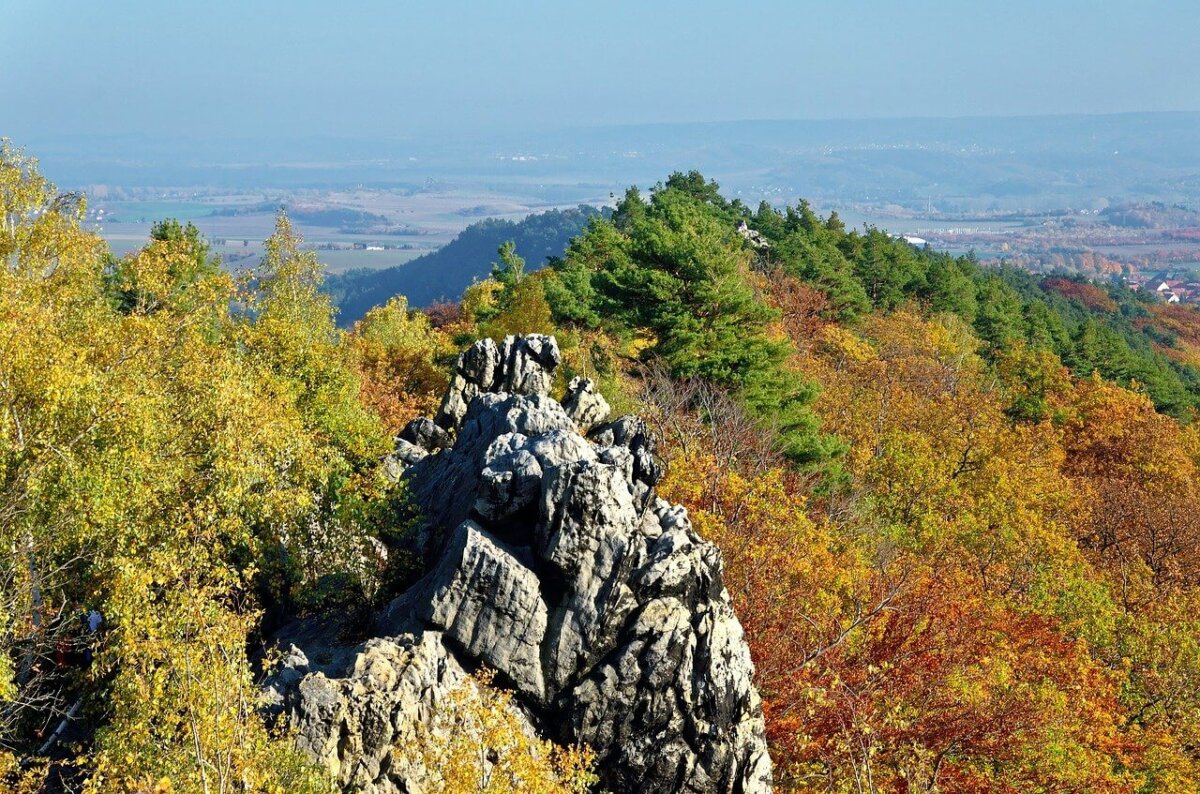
(521, 365)
(527, 364)
(757, 242)
(405, 455)
(632, 433)
(409, 453)
(479, 364)
(510, 480)
(586, 533)
(549, 559)
(349, 722)
(585, 404)
(489, 604)
(426, 434)
(446, 486)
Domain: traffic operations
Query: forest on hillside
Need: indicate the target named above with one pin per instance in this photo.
(956, 505)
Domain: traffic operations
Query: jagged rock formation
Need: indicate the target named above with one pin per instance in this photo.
(550, 560)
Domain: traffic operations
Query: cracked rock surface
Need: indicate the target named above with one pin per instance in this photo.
(550, 560)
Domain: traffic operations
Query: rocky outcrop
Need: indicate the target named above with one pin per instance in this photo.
(584, 404)
(757, 243)
(550, 560)
(351, 722)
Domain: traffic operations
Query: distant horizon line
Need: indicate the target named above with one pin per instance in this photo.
(509, 130)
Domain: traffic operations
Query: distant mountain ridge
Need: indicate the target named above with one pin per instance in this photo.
(445, 273)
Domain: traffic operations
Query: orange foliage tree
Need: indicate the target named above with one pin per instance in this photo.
(400, 360)
(936, 620)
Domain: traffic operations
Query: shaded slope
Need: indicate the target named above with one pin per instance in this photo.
(445, 273)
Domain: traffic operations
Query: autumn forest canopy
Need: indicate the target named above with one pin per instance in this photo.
(958, 506)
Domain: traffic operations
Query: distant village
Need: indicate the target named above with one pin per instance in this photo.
(1168, 287)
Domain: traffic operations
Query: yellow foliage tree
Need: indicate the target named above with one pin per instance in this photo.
(162, 460)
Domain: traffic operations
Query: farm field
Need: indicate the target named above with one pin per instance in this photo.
(400, 225)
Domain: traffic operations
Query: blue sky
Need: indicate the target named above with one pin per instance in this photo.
(249, 68)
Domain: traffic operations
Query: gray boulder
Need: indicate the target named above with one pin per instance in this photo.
(446, 487)
(490, 606)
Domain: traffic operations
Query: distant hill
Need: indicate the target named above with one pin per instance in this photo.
(1155, 215)
(445, 273)
(350, 221)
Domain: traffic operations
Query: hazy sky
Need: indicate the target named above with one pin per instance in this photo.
(389, 68)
